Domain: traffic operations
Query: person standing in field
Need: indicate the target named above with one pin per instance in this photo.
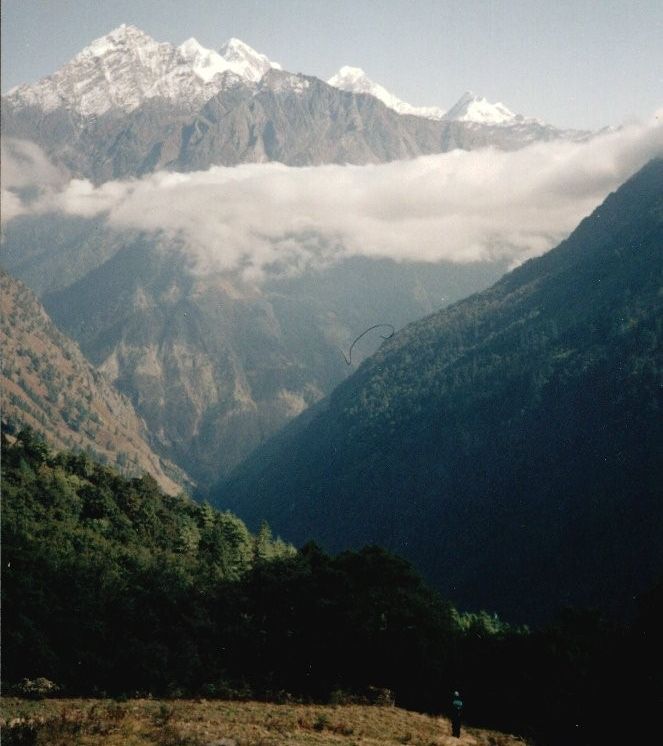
(456, 713)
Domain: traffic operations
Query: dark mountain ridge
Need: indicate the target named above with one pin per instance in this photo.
(510, 445)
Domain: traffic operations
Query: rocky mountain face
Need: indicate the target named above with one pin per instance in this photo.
(51, 252)
(509, 445)
(128, 105)
(49, 385)
(216, 364)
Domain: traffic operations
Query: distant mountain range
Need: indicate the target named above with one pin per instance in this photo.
(510, 445)
(469, 108)
(126, 67)
(47, 384)
(128, 105)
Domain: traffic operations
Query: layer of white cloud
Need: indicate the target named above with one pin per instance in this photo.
(26, 174)
(459, 206)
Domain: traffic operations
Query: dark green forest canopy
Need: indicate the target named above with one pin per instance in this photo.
(111, 587)
(89, 554)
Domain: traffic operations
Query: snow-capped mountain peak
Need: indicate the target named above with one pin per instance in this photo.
(234, 56)
(352, 78)
(469, 108)
(192, 47)
(118, 70)
(124, 35)
(355, 80)
(205, 63)
(473, 108)
(244, 61)
(125, 67)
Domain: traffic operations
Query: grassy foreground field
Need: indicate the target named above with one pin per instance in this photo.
(76, 722)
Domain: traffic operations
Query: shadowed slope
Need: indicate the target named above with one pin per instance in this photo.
(510, 445)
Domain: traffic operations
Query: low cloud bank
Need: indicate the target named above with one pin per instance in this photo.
(459, 206)
(27, 175)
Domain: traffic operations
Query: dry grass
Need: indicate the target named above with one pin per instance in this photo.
(215, 723)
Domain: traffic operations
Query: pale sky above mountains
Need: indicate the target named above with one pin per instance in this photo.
(574, 63)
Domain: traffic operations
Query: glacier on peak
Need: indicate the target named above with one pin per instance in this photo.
(355, 80)
(118, 70)
(477, 109)
(205, 63)
(348, 75)
(235, 56)
(235, 51)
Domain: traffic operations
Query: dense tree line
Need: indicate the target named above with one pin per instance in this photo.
(107, 580)
(111, 587)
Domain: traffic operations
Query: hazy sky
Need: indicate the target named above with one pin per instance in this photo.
(578, 63)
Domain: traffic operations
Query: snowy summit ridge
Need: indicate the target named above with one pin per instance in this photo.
(355, 80)
(127, 66)
(473, 108)
(469, 108)
(234, 56)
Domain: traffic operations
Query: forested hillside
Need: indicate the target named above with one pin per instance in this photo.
(47, 384)
(509, 445)
(104, 577)
(111, 587)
